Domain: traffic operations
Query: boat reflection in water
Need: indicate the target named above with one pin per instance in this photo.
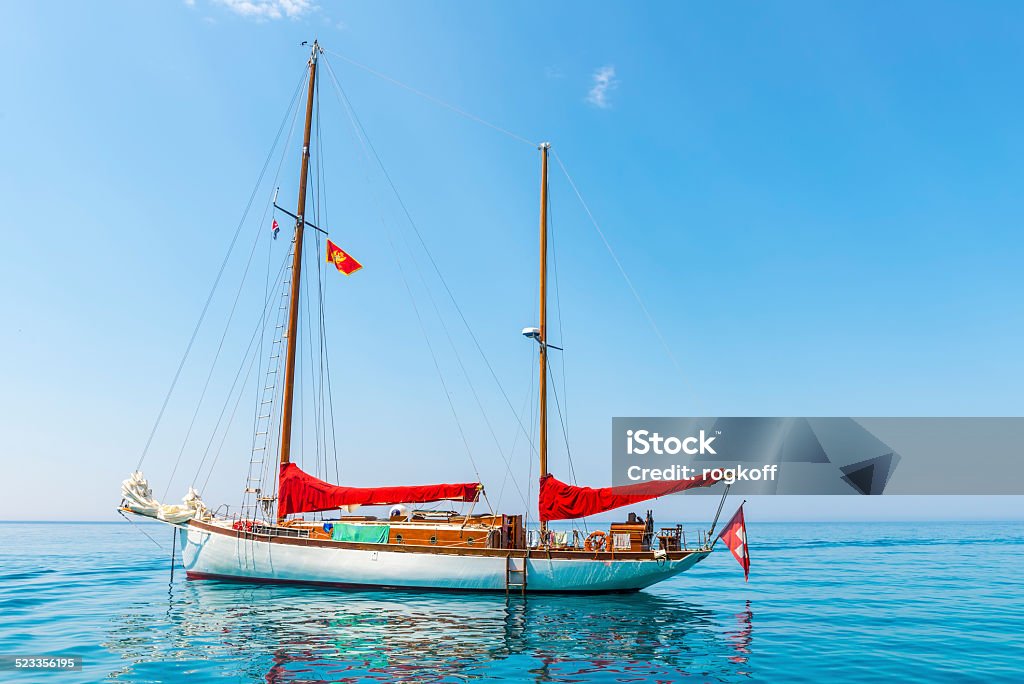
(286, 634)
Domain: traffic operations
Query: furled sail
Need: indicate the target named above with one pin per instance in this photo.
(137, 497)
(561, 501)
(300, 492)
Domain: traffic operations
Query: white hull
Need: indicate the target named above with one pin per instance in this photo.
(225, 555)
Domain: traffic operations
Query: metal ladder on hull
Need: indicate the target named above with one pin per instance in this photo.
(515, 575)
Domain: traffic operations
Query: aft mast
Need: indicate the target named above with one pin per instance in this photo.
(542, 339)
(293, 303)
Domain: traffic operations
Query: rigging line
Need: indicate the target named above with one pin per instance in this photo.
(563, 413)
(405, 281)
(324, 371)
(330, 401)
(625, 276)
(320, 210)
(216, 281)
(263, 375)
(534, 425)
(433, 355)
(435, 100)
(224, 334)
(132, 523)
(353, 118)
(325, 350)
(454, 348)
(469, 382)
(321, 332)
(231, 418)
(561, 341)
(234, 305)
(312, 371)
(300, 391)
(565, 433)
(269, 470)
(265, 320)
(316, 368)
(412, 299)
(271, 443)
(213, 367)
(227, 400)
(515, 438)
(433, 263)
(223, 337)
(325, 382)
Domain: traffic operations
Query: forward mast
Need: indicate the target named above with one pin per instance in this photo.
(288, 400)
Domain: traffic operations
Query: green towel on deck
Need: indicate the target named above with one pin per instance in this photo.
(367, 534)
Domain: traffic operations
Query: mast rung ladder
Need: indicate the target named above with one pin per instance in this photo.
(515, 574)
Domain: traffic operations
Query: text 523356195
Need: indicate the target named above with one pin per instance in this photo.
(59, 662)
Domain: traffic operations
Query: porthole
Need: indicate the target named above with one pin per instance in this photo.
(398, 539)
(469, 542)
(433, 540)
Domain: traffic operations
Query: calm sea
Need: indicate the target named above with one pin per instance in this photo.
(839, 602)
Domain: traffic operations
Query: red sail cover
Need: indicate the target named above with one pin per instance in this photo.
(300, 492)
(561, 501)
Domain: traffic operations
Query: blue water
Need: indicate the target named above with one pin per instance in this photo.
(840, 602)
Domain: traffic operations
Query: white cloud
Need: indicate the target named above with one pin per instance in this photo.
(604, 80)
(262, 10)
(190, 3)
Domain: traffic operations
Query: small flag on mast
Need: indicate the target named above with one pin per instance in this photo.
(341, 259)
(734, 534)
(275, 229)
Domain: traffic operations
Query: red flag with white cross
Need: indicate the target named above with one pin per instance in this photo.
(734, 534)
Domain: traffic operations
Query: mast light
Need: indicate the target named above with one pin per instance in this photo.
(534, 334)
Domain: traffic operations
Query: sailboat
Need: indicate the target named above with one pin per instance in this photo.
(277, 541)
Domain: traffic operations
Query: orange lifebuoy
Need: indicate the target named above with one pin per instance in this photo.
(596, 541)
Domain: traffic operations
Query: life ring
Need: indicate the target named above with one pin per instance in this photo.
(596, 541)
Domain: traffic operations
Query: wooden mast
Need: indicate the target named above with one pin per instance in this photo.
(543, 387)
(293, 302)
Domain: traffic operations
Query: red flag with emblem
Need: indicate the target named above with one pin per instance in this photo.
(341, 259)
(734, 534)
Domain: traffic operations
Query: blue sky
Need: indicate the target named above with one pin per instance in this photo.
(818, 203)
